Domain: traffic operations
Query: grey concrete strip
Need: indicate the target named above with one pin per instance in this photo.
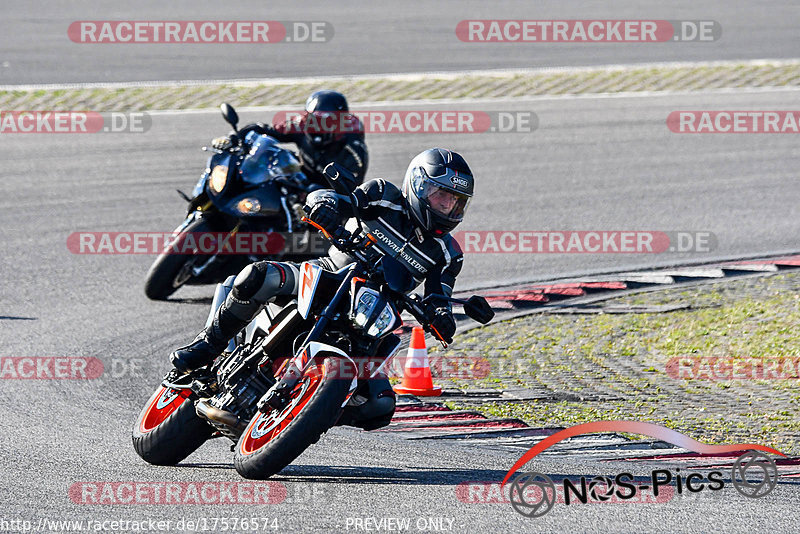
(437, 416)
(480, 434)
(620, 309)
(482, 424)
(665, 77)
(637, 282)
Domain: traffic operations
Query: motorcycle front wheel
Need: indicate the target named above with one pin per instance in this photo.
(273, 440)
(171, 271)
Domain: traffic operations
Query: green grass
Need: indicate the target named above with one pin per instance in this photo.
(625, 356)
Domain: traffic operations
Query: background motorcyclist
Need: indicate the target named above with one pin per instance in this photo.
(319, 136)
(436, 190)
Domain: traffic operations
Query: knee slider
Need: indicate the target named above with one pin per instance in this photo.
(379, 414)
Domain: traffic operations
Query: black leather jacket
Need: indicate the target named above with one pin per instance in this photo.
(349, 150)
(433, 260)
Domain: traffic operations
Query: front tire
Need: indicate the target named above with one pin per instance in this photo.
(273, 440)
(169, 271)
(168, 429)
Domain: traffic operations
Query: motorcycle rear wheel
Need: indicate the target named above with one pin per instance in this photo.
(273, 440)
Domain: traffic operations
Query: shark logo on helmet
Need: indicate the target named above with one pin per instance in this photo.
(459, 181)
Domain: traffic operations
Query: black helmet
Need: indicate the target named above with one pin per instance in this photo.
(437, 186)
(328, 108)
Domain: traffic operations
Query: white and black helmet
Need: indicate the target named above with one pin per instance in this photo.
(438, 186)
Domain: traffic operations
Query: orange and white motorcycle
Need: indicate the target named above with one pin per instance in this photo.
(295, 370)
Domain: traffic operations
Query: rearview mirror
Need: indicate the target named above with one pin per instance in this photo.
(341, 180)
(230, 115)
(478, 309)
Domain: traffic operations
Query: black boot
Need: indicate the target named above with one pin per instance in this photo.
(210, 342)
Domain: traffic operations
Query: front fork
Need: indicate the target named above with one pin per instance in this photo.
(278, 395)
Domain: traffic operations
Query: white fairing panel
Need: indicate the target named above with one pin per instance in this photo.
(310, 275)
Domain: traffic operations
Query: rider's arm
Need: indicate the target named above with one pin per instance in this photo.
(442, 282)
(440, 313)
(285, 132)
(368, 196)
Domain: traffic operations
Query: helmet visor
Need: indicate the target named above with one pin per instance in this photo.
(320, 127)
(444, 202)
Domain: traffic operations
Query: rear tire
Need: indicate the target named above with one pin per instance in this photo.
(167, 440)
(162, 278)
(272, 441)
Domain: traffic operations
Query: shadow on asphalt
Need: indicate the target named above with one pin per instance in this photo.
(372, 475)
(205, 301)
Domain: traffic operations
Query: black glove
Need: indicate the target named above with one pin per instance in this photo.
(444, 323)
(324, 214)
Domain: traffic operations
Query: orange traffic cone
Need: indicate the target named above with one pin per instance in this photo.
(417, 378)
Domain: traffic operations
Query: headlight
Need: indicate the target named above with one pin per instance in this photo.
(366, 303)
(366, 314)
(218, 178)
(249, 205)
(385, 321)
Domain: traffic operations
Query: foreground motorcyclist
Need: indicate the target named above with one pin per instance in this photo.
(436, 191)
(317, 145)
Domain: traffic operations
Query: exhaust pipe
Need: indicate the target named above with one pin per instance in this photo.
(216, 415)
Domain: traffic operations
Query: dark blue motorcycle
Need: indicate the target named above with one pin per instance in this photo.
(247, 206)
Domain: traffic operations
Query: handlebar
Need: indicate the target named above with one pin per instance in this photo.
(357, 246)
(347, 242)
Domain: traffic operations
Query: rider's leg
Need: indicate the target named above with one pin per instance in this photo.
(252, 288)
(377, 410)
(372, 405)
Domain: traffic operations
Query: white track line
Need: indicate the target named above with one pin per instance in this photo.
(411, 76)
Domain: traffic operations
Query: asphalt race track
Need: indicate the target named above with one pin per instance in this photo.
(374, 37)
(599, 163)
(587, 156)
